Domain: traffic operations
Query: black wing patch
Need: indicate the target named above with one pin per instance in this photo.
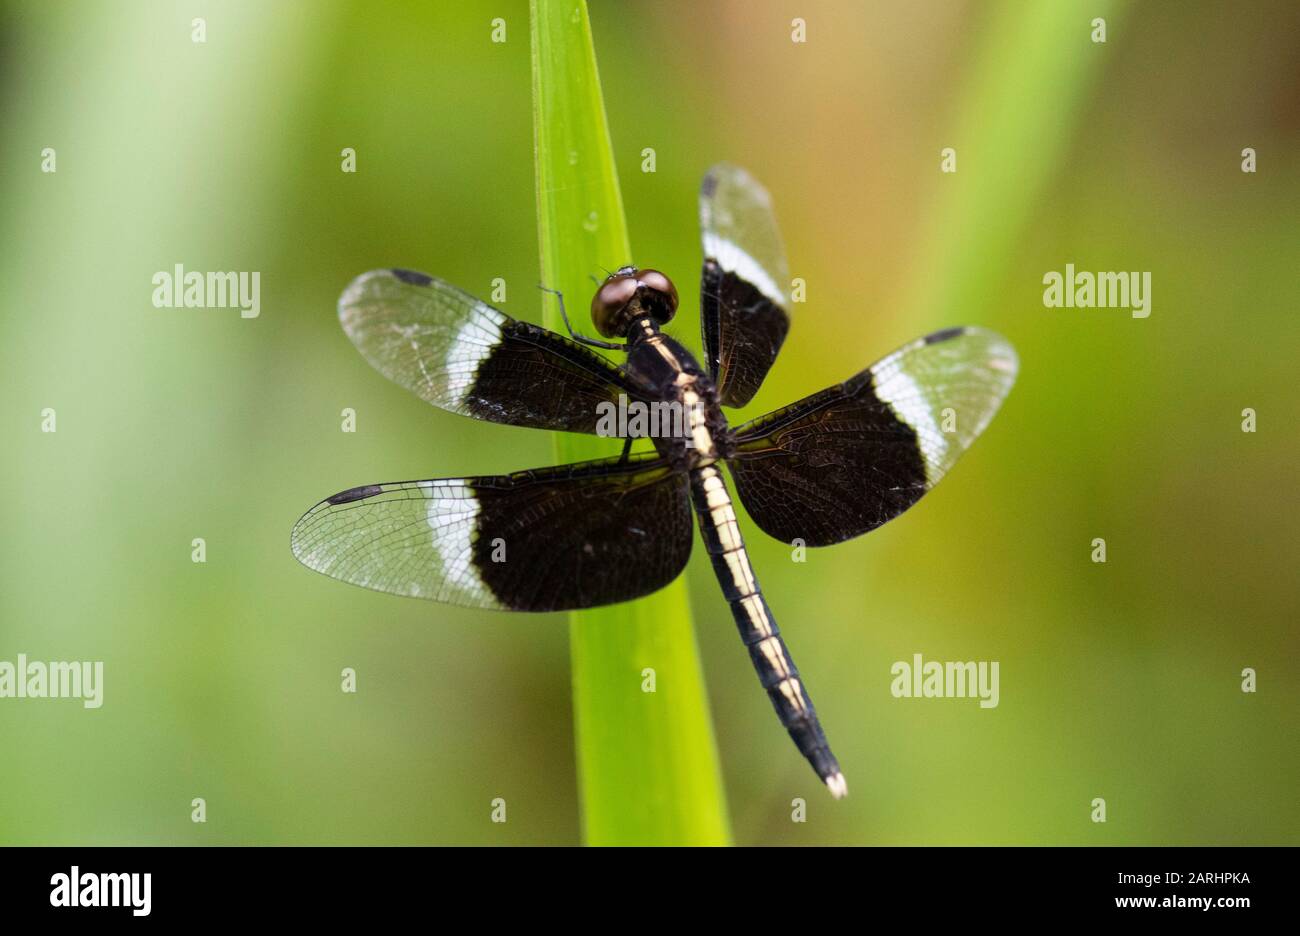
(846, 460)
(462, 355)
(551, 539)
(743, 289)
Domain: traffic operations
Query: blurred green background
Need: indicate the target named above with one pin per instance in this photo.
(1119, 680)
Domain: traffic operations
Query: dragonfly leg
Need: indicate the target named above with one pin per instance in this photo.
(581, 339)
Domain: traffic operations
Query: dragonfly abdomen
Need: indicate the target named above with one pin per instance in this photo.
(767, 651)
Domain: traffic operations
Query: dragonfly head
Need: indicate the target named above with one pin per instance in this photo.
(629, 294)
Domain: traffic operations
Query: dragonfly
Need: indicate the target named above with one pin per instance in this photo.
(820, 471)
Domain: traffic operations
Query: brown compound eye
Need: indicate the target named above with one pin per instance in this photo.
(610, 302)
(658, 295)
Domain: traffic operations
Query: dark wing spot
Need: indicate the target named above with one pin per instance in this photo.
(944, 335)
(355, 494)
(413, 277)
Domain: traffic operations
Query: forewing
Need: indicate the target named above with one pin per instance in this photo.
(551, 539)
(743, 288)
(462, 355)
(843, 461)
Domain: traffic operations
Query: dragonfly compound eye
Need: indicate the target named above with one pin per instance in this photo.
(658, 295)
(630, 294)
(613, 308)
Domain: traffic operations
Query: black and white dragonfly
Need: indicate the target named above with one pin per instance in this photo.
(820, 471)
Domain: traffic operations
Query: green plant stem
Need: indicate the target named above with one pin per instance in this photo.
(647, 763)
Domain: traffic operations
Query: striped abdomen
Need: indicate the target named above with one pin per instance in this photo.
(758, 630)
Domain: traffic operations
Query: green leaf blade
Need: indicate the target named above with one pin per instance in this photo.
(647, 762)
